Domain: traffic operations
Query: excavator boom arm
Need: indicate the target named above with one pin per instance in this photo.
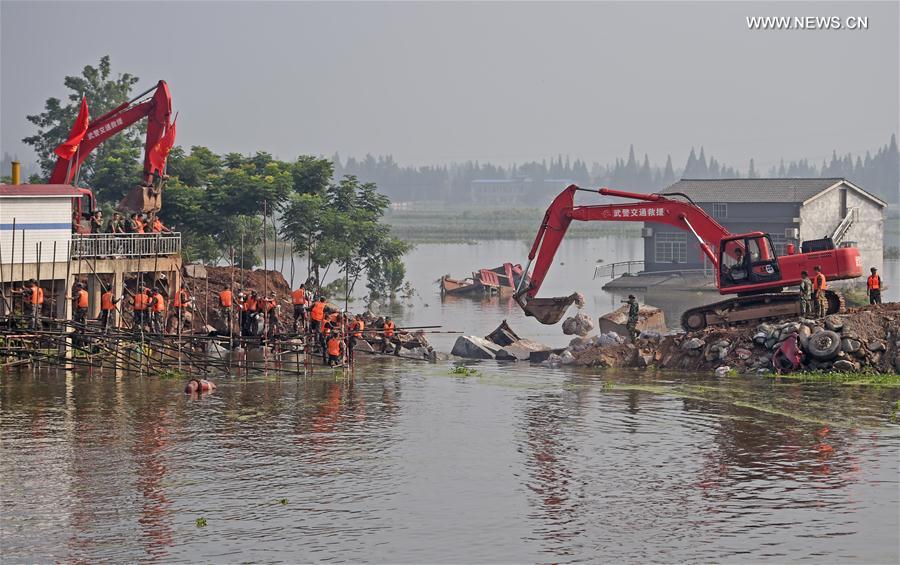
(652, 208)
(157, 109)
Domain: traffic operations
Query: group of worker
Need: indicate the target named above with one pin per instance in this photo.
(134, 223)
(257, 315)
(334, 332)
(813, 298)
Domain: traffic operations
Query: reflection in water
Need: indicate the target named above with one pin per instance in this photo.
(407, 463)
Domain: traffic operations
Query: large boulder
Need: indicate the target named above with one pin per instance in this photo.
(650, 318)
(580, 324)
(474, 347)
(521, 350)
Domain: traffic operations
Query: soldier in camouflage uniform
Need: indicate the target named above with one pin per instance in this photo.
(631, 325)
(806, 296)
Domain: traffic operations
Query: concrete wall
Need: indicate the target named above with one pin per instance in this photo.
(43, 219)
(822, 215)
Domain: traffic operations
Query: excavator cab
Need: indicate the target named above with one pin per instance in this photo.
(747, 259)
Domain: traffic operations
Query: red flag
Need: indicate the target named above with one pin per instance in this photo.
(68, 148)
(160, 152)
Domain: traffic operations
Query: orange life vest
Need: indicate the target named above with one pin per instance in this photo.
(106, 301)
(389, 329)
(298, 297)
(318, 312)
(357, 328)
(139, 225)
(82, 299)
(156, 226)
(181, 298)
(225, 298)
(159, 303)
(334, 346)
(37, 295)
(873, 282)
(140, 302)
(819, 282)
(250, 304)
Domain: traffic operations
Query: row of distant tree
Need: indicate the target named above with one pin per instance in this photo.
(878, 173)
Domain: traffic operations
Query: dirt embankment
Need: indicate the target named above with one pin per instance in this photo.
(862, 339)
(206, 292)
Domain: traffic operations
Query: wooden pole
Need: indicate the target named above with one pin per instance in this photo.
(53, 283)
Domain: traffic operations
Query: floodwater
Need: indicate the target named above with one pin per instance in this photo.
(405, 462)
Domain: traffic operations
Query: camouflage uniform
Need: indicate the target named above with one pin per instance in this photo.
(806, 298)
(631, 326)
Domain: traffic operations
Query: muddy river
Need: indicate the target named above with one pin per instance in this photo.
(406, 462)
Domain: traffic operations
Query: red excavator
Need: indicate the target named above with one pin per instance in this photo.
(148, 196)
(745, 264)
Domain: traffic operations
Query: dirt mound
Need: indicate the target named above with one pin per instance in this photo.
(260, 280)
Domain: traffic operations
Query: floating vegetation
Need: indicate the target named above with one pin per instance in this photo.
(200, 522)
(834, 377)
(170, 374)
(282, 501)
(464, 371)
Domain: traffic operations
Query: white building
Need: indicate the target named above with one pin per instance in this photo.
(41, 216)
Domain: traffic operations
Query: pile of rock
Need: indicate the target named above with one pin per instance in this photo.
(863, 339)
(502, 344)
(833, 344)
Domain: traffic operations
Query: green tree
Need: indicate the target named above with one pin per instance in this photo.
(104, 92)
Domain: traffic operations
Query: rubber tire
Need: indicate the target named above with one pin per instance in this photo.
(824, 345)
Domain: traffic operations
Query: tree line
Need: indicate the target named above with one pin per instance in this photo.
(878, 173)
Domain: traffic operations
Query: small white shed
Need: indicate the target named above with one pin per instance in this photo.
(41, 213)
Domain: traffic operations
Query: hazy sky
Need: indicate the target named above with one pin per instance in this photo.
(504, 82)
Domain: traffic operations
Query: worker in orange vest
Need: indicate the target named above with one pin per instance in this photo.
(356, 332)
(249, 306)
(35, 298)
(158, 307)
(299, 301)
(317, 314)
(107, 308)
(325, 333)
(334, 348)
(269, 308)
(79, 304)
(182, 304)
(138, 224)
(226, 301)
(388, 335)
(820, 285)
(873, 287)
(139, 314)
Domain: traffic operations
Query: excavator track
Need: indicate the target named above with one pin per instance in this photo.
(752, 309)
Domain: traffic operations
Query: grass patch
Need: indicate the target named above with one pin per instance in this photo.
(833, 377)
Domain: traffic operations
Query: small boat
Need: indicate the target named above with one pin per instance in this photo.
(502, 281)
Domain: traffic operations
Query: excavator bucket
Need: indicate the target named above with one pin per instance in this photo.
(145, 199)
(547, 311)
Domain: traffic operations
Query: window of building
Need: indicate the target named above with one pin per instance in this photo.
(720, 210)
(670, 247)
(779, 242)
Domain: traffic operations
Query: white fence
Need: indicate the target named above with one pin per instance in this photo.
(114, 245)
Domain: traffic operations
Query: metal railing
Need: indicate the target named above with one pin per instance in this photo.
(839, 232)
(116, 245)
(613, 270)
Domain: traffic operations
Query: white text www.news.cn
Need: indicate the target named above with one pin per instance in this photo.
(807, 22)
